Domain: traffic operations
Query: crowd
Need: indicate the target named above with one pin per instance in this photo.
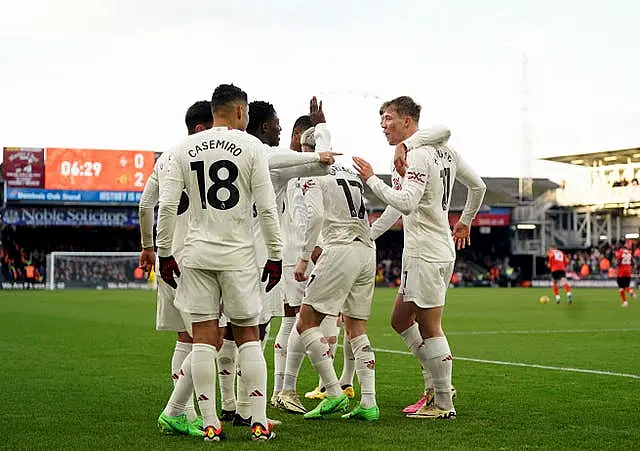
(18, 265)
(22, 248)
(472, 268)
(599, 262)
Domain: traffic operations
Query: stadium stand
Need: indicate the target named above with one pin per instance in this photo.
(585, 217)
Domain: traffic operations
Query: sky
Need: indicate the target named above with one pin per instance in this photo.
(120, 74)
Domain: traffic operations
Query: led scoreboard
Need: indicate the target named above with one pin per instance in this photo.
(76, 176)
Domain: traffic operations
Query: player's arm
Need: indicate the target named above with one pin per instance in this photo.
(316, 168)
(170, 192)
(298, 213)
(303, 170)
(265, 202)
(428, 137)
(315, 216)
(435, 135)
(388, 218)
(148, 202)
(322, 137)
(286, 158)
(405, 200)
(476, 189)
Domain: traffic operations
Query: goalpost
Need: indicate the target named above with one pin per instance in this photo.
(97, 270)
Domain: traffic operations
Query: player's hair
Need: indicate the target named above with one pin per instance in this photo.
(302, 124)
(404, 106)
(308, 139)
(224, 96)
(259, 113)
(198, 113)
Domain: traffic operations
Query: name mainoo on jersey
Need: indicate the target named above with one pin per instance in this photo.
(443, 154)
(215, 144)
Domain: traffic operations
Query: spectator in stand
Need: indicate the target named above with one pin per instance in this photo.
(605, 264)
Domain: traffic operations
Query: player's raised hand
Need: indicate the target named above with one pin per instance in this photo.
(328, 158)
(273, 272)
(363, 167)
(400, 159)
(461, 235)
(315, 112)
(147, 259)
(300, 273)
(169, 267)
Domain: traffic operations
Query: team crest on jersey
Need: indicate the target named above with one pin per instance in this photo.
(306, 185)
(396, 183)
(417, 176)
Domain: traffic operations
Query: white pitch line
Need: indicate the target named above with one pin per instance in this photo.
(543, 331)
(526, 365)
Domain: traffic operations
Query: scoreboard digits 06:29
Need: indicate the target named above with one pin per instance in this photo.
(97, 170)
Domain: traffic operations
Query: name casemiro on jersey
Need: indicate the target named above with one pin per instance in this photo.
(215, 144)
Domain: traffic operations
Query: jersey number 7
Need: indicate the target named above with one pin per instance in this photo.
(213, 193)
(347, 194)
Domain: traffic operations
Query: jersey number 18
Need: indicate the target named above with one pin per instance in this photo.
(212, 196)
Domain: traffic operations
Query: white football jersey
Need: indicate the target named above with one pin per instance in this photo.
(336, 208)
(423, 196)
(223, 172)
(290, 165)
(182, 222)
(294, 222)
(149, 201)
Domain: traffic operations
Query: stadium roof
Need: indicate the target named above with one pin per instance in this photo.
(501, 192)
(606, 158)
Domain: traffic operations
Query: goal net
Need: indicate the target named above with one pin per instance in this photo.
(97, 270)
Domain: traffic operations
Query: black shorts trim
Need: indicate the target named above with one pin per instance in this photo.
(624, 282)
(557, 275)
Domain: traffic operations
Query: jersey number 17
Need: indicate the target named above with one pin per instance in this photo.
(347, 194)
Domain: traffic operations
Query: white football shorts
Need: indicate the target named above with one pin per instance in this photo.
(202, 292)
(425, 283)
(273, 304)
(168, 317)
(343, 280)
(294, 290)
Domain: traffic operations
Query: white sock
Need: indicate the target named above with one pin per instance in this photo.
(413, 340)
(365, 366)
(227, 357)
(180, 353)
(243, 405)
(349, 363)
(440, 363)
(330, 330)
(203, 372)
(254, 371)
(295, 356)
(280, 352)
(182, 393)
(321, 358)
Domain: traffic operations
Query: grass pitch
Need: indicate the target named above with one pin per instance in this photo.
(87, 370)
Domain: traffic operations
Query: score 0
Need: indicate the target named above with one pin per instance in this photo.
(138, 163)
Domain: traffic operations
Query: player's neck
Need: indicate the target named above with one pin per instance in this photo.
(223, 122)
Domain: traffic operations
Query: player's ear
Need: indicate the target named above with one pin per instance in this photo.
(199, 128)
